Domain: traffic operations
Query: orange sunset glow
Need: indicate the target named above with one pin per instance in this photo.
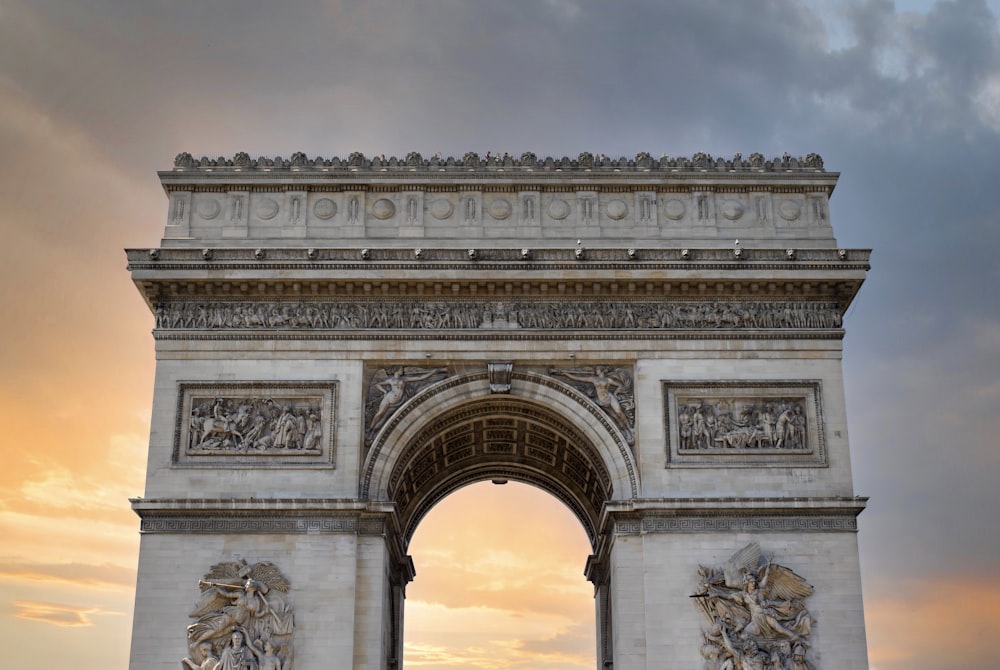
(901, 98)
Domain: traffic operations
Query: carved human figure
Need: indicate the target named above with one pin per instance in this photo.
(799, 661)
(750, 601)
(237, 656)
(766, 422)
(745, 655)
(266, 659)
(246, 606)
(684, 426)
(763, 619)
(393, 390)
(605, 389)
(314, 433)
(784, 427)
(206, 658)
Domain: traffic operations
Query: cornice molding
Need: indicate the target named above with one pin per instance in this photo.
(712, 515)
(267, 515)
(498, 259)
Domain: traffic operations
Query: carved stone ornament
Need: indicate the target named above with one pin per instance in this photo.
(732, 209)
(789, 210)
(325, 209)
(755, 614)
(617, 209)
(608, 386)
(744, 423)
(442, 208)
(699, 162)
(266, 209)
(208, 208)
(674, 209)
(500, 209)
(383, 209)
(390, 388)
(243, 620)
(255, 424)
(500, 373)
(559, 209)
(469, 314)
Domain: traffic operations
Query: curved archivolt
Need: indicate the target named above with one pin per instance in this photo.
(459, 434)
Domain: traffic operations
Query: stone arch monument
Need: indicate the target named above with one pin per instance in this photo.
(343, 342)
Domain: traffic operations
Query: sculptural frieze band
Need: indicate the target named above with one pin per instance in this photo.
(499, 315)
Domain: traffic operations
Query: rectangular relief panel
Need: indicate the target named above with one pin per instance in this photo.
(249, 424)
(740, 423)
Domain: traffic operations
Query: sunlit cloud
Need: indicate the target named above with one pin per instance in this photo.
(56, 614)
(104, 490)
(72, 574)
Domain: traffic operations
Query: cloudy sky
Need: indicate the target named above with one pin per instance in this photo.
(903, 99)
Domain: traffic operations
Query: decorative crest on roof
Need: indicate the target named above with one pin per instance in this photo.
(586, 161)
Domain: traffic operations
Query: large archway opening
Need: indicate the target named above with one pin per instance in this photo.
(541, 433)
(500, 583)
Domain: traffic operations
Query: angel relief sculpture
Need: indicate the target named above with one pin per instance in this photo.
(243, 620)
(390, 388)
(610, 388)
(755, 614)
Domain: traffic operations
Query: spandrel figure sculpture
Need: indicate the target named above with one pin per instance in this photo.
(243, 609)
(390, 389)
(611, 388)
(755, 612)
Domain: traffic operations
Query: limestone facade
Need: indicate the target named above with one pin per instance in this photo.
(343, 342)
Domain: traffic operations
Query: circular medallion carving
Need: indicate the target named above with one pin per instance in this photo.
(559, 209)
(789, 210)
(267, 208)
(383, 209)
(674, 209)
(500, 209)
(325, 209)
(732, 209)
(209, 209)
(442, 208)
(617, 209)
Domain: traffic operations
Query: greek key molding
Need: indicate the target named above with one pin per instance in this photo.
(264, 515)
(735, 523)
(251, 524)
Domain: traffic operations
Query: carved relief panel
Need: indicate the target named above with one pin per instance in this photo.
(755, 613)
(255, 424)
(243, 620)
(726, 424)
